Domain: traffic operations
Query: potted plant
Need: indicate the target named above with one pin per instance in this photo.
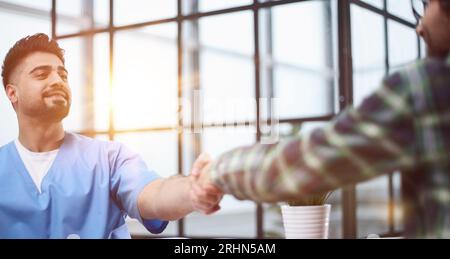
(306, 218)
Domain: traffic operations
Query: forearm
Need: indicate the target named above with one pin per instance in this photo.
(265, 173)
(351, 149)
(166, 199)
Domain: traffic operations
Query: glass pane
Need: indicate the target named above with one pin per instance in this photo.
(402, 45)
(301, 94)
(145, 78)
(190, 76)
(24, 25)
(41, 5)
(216, 141)
(77, 59)
(335, 200)
(231, 98)
(90, 90)
(236, 218)
(365, 82)
(211, 5)
(101, 12)
(137, 11)
(373, 205)
(273, 222)
(8, 120)
(189, 155)
(291, 47)
(159, 151)
(376, 3)
(398, 208)
(369, 68)
(423, 48)
(226, 68)
(401, 8)
(101, 81)
(368, 59)
(229, 33)
(303, 70)
(77, 15)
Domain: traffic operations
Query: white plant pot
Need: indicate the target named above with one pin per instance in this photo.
(306, 222)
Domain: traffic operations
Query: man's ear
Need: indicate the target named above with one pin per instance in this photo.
(11, 92)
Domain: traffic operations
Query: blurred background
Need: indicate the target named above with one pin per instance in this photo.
(147, 72)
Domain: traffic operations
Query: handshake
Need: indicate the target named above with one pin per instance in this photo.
(204, 195)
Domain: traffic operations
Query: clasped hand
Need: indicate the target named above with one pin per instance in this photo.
(204, 195)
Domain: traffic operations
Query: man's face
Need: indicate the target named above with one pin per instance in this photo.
(434, 28)
(38, 88)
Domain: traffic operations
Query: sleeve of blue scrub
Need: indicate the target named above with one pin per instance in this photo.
(129, 175)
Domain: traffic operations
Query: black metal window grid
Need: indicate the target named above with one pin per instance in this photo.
(344, 94)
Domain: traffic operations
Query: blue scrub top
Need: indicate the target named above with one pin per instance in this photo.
(87, 193)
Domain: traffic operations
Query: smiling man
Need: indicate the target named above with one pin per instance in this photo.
(56, 184)
(404, 125)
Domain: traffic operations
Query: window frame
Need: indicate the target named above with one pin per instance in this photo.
(344, 94)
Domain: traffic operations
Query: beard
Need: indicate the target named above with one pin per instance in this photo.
(48, 110)
(56, 113)
(55, 105)
(433, 52)
(435, 48)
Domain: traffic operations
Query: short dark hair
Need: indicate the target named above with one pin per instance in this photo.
(445, 4)
(39, 42)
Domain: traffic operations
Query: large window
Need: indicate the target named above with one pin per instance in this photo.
(18, 18)
(180, 66)
(174, 78)
(389, 28)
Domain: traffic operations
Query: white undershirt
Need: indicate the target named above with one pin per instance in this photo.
(37, 163)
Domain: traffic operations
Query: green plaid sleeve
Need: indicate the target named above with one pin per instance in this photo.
(375, 138)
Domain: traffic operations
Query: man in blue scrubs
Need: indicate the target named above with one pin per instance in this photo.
(55, 184)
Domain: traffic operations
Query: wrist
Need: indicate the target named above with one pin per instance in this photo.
(190, 192)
